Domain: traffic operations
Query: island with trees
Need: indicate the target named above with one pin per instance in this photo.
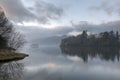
(106, 45)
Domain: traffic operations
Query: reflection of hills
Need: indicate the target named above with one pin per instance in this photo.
(104, 53)
(11, 71)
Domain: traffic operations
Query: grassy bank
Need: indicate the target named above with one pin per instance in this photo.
(9, 56)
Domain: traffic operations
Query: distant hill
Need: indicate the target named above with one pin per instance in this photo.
(53, 40)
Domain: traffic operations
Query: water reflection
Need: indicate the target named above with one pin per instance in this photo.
(11, 71)
(104, 53)
(47, 63)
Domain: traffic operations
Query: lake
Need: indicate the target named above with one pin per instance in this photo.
(50, 62)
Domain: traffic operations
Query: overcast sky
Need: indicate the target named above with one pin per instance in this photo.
(51, 17)
(39, 19)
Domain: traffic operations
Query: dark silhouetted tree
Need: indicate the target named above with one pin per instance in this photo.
(9, 38)
(103, 39)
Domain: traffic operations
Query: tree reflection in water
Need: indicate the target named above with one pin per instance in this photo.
(11, 71)
(104, 53)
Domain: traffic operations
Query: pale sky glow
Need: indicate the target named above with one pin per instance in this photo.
(1, 9)
(74, 33)
(36, 24)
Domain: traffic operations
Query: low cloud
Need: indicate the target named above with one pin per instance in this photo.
(108, 6)
(41, 11)
(34, 33)
(16, 10)
(48, 10)
(96, 28)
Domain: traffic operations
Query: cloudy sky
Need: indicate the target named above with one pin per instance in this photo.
(38, 19)
(50, 17)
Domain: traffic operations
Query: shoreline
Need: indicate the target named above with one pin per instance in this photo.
(7, 57)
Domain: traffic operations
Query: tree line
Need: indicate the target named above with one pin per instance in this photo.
(105, 45)
(103, 39)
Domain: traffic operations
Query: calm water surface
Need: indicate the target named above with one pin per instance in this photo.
(49, 62)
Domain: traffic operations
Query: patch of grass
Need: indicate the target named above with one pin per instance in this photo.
(11, 56)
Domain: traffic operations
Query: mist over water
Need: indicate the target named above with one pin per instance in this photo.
(49, 62)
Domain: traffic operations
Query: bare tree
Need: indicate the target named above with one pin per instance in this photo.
(8, 34)
(5, 26)
(15, 41)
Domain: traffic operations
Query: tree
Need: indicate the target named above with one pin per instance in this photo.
(3, 42)
(9, 38)
(104, 39)
(5, 26)
(16, 40)
(117, 35)
(84, 38)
